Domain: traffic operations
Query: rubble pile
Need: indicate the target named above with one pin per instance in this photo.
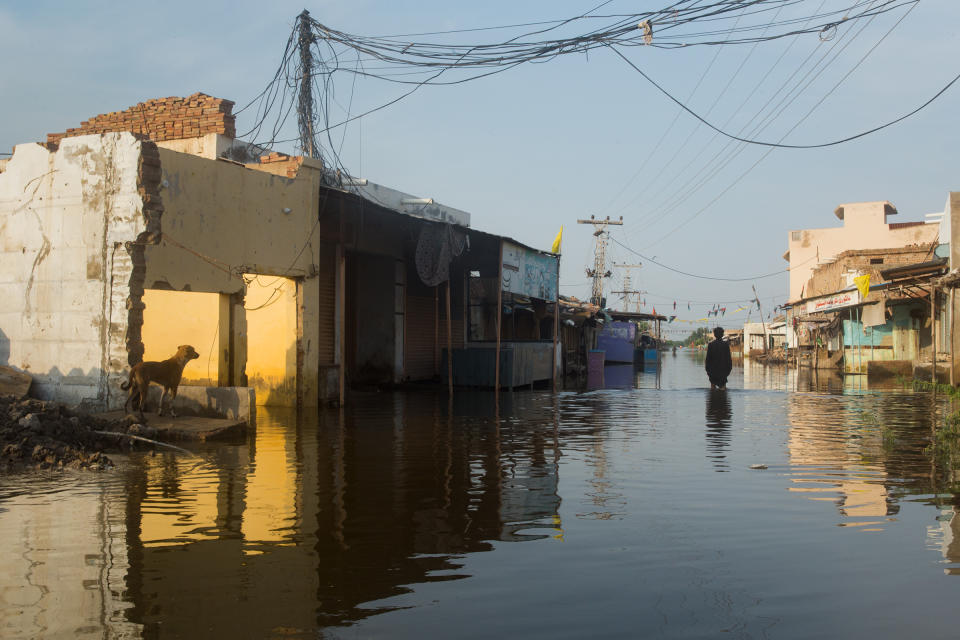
(46, 435)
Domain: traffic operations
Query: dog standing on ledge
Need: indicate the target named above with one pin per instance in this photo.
(167, 374)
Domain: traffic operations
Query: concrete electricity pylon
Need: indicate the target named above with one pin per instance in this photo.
(305, 40)
(599, 271)
(628, 289)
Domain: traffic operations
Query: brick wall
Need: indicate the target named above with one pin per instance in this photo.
(829, 278)
(162, 119)
(281, 164)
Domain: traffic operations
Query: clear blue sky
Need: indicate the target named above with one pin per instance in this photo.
(543, 145)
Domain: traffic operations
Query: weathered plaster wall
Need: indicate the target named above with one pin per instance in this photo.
(222, 220)
(72, 223)
(864, 227)
(213, 146)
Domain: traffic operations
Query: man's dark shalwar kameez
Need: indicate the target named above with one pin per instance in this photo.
(719, 364)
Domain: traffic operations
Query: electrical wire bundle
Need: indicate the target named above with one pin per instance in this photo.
(305, 80)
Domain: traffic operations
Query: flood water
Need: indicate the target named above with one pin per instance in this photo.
(786, 507)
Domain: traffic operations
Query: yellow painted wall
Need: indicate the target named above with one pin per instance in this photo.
(173, 318)
(271, 311)
(221, 219)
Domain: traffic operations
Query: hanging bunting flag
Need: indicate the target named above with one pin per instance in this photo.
(863, 285)
(674, 305)
(688, 306)
(723, 311)
(672, 318)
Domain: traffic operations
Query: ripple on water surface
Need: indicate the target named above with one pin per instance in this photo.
(788, 506)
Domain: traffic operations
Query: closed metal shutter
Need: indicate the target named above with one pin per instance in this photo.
(327, 279)
(419, 338)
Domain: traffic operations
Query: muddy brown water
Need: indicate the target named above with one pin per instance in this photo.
(787, 507)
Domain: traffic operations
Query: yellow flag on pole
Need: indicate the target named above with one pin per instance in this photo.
(556, 242)
(863, 284)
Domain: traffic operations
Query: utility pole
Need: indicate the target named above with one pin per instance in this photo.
(762, 323)
(628, 289)
(599, 271)
(305, 93)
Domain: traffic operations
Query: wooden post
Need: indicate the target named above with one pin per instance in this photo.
(933, 336)
(449, 345)
(496, 362)
(343, 325)
(556, 328)
(951, 306)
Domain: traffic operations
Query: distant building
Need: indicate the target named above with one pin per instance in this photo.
(885, 331)
(865, 226)
(761, 337)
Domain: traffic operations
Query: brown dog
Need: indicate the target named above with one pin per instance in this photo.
(167, 374)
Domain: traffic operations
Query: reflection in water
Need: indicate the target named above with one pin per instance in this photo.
(269, 514)
(404, 514)
(63, 562)
(718, 427)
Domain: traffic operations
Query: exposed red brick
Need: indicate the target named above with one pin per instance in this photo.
(170, 118)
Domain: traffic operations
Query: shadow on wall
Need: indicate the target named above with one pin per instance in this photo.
(77, 388)
(4, 349)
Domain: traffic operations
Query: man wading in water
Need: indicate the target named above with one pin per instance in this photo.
(719, 364)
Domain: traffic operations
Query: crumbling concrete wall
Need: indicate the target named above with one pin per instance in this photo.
(74, 222)
(223, 220)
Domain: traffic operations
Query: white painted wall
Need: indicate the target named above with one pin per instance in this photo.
(754, 332)
(64, 270)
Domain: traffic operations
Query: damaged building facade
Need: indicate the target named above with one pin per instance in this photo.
(876, 310)
(153, 227)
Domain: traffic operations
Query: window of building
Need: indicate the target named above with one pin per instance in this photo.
(876, 260)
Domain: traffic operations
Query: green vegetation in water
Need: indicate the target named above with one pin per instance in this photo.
(925, 385)
(887, 435)
(945, 444)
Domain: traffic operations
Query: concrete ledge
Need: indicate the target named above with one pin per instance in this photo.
(924, 371)
(232, 403)
(881, 369)
(185, 428)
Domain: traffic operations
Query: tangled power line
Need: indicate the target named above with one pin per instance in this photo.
(304, 85)
(318, 60)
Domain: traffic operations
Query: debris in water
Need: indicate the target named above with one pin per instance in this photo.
(758, 466)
